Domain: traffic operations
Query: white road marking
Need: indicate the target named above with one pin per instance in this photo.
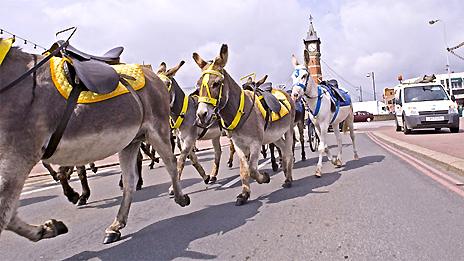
(55, 185)
(237, 179)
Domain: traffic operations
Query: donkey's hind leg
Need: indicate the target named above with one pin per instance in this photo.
(217, 158)
(159, 139)
(128, 161)
(274, 165)
(285, 146)
(82, 173)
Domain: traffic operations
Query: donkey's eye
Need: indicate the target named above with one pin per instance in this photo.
(216, 84)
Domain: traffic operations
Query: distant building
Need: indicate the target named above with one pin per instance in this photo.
(388, 98)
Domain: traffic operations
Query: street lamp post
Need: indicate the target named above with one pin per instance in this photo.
(360, 93)
(372, 75)
(373, 83)
(449, 85)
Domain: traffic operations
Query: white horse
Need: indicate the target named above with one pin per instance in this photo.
(323, 112)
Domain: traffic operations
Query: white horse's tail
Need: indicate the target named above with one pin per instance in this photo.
(348, 120)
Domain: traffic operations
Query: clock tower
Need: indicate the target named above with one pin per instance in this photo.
(313, 45)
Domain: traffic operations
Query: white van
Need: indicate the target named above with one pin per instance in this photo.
(424, 105)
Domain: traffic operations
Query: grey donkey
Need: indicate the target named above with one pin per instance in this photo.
(29, 114)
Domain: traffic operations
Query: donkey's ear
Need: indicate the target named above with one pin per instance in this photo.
(171, 72)
(201, 63)
(249, 80)
(295, 61)
(260, 82)
(221, 60)
(306, 56)
(162, 68)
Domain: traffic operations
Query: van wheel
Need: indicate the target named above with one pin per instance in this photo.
(437, 129)
(398, 127)
(406, 130)
(454, 130)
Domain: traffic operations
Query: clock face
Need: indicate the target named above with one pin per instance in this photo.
(312, 47)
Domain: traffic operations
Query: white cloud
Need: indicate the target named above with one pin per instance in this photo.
(387, 37)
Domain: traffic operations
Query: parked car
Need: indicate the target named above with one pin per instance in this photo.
(361, 116)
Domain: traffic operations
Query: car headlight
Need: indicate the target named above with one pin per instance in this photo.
(412, 111)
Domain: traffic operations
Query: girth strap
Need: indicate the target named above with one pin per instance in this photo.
(318, 102)
(337, 109)
(180, 118)
(58, 134)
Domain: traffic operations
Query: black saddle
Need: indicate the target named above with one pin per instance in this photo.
(271, 102)
(93, 72)
(332, 85)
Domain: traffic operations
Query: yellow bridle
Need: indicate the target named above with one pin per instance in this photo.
(213, 101)
(175, 124)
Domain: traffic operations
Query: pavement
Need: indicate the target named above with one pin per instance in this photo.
(440, 147)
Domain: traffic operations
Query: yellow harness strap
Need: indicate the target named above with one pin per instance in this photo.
(238, 115)
(5, 46)
(204, 84)
(180, 118)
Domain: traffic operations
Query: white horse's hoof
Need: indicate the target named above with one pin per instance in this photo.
(356, 157)
(318, 173)
(338, 163)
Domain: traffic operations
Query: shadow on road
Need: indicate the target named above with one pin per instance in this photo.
(145, 194)
(29, 201)
(170, 238)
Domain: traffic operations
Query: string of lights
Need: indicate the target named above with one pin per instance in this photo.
(15, 36)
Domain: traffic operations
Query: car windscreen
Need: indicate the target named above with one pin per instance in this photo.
(424, 93)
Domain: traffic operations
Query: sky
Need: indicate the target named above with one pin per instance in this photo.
(382, 36)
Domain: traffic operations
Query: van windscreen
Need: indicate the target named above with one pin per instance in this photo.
(424, 93)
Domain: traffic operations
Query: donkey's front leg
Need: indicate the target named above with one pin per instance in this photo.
(217, 158)
(128, 161)
(243, 197)
(49, 229)
(63, 175)
(230, 162)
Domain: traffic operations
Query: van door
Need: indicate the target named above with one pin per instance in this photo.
(399, 107)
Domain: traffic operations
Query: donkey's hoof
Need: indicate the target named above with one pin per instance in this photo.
(287, 184)
(303, 157)
(53, 228)
(112, 237)
(356, 157)
(139, 186)
(266, 177)
(229, 164)
(171, 192)
(318, 173)
(212, 180)
(74, 197)
(275, 167)
(151, 166)
(206, 180)
(242, 199)
(338, 163)
(94, 169)
(82, 201)
(120, 184)
(183, 201)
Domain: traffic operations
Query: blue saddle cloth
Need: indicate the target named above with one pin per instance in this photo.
(299, 106)
(346, 101)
